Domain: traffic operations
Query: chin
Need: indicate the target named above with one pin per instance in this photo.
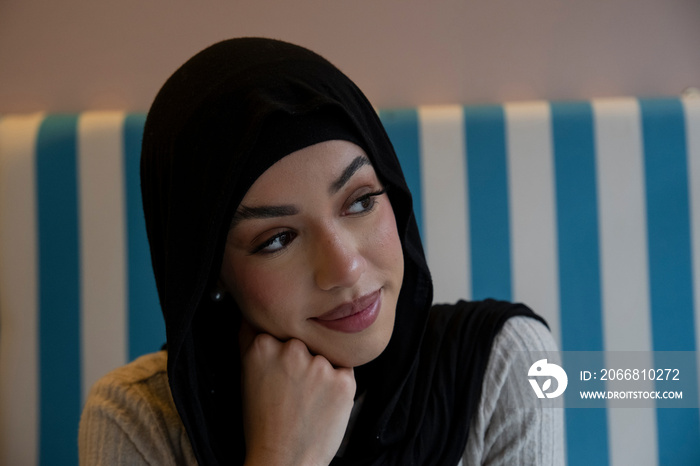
(358, 349)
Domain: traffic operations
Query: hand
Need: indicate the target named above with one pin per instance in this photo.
(296, 406)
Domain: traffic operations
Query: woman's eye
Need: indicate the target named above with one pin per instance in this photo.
(364, 203)
(276, 243)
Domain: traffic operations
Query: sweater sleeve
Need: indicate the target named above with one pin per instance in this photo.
(129, 418)
(510, 425)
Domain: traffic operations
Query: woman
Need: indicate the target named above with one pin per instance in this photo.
(295, 291)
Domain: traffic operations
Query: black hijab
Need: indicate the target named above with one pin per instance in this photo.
(218, 123)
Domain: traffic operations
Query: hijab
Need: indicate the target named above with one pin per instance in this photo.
(220, 121)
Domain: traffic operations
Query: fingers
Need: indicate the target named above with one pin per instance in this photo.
(296, 405)
(262, 349)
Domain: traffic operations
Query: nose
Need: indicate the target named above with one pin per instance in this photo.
(339, 262)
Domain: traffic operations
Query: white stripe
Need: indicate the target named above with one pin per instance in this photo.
(18, 291)
(692, 129)
(101, 193)
(443, 173)
(532, 210)
(535, 270)
(624, 275)
(622, 215)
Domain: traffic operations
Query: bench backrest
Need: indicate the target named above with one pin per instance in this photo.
(587, 211)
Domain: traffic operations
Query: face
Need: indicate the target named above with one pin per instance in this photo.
(314, 254)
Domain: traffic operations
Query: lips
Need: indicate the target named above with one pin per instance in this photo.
(353, 316)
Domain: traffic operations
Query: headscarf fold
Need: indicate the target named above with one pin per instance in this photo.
(220, 121)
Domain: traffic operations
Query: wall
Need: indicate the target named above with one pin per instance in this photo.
(79, 54)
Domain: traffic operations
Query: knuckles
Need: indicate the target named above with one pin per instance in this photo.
(294, 358)
(265, 348)
(296, 348)
(346, 384)
(263, 345)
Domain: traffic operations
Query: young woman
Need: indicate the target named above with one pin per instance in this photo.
(297, 299)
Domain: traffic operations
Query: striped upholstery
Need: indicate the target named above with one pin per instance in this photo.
(587, 211)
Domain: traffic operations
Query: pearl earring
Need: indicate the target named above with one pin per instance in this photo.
(217, 295)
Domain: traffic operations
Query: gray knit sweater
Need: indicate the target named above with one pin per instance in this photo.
(130, 418)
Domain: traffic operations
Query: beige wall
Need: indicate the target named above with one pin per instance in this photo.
(69, 55)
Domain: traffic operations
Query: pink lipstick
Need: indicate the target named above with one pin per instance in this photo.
(354, 316)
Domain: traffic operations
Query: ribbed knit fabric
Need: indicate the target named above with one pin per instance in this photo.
(511, 427)
(130, 418)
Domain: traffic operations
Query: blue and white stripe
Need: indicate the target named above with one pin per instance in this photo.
(589, 212)
(623, 260)
(72, 260)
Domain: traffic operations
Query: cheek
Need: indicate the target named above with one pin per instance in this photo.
(387, 245)
(250, 286)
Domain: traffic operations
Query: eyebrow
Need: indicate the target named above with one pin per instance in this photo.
(246, 213)
(350, 170)
(272, 211)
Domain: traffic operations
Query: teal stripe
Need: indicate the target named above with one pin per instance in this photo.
(579, 265)
(577, 226)
(670, 268)
(145, 320)
(59, 290)
(487, 183)
(668, 217)
(402, 127)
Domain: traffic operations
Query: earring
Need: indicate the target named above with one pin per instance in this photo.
(217, 295)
